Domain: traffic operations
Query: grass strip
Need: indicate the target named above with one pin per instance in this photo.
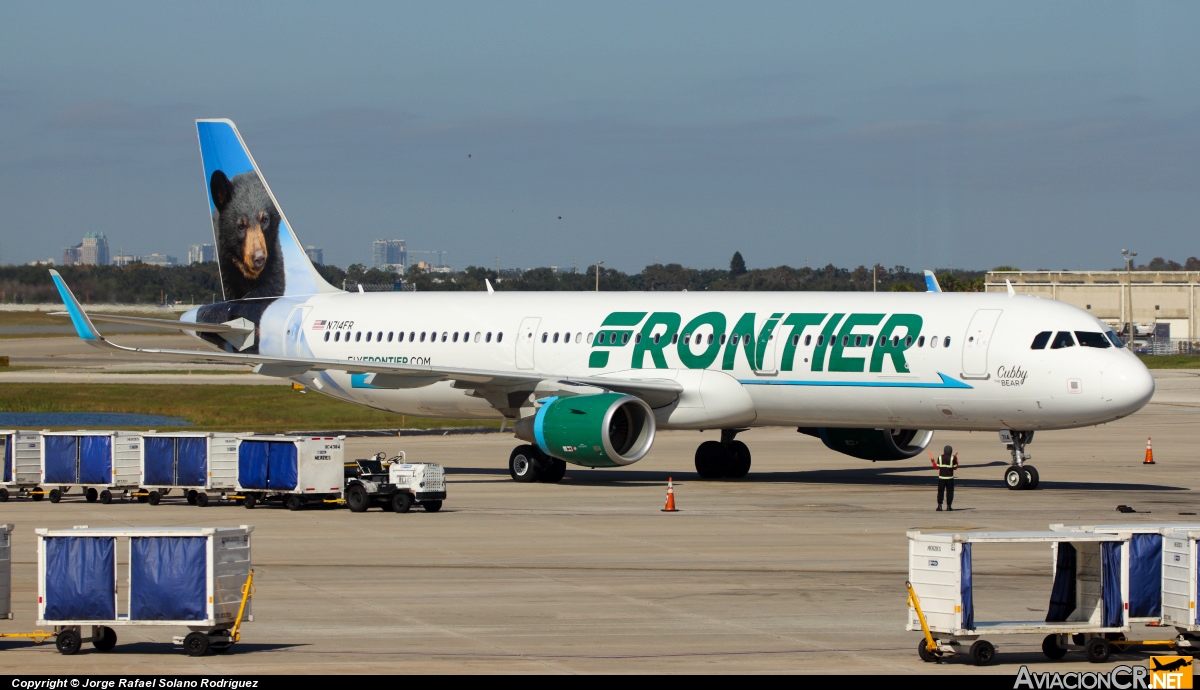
(216, 408)
(1171, 361)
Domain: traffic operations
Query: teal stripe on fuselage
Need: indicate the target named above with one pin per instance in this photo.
(946, 382)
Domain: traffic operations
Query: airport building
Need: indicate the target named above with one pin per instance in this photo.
(1161, 304)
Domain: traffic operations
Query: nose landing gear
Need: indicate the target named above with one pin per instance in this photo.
(1020, 474)
(725, 458)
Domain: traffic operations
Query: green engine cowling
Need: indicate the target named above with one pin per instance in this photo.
(602, 430)
(874, 444)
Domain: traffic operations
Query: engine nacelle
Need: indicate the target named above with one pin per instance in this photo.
(603, 430)
(874, 444)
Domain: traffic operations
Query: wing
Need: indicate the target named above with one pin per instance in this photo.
(494, 386)
(245, 327)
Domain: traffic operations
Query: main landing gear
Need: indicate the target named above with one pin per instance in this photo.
(529, 464)
(1020, 474)
(725, 458)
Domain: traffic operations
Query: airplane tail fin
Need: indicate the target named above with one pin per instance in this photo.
(931, 284)
(258, 253)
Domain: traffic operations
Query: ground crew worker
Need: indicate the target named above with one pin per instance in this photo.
(945, 463)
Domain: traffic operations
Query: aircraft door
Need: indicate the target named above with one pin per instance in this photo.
(526, 338)
(976, 341)
(767, 365)
(295, 333)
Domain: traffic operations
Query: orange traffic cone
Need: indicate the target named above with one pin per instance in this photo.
(670, 507)
(1149, 453)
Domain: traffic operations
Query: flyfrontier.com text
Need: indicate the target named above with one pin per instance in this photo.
(117, 683)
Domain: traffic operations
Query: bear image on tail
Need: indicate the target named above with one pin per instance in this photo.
(246, 223)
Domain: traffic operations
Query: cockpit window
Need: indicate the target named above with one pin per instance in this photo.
(1040, 340)
(1062, 339)
(1092, 339)
(1112, 337)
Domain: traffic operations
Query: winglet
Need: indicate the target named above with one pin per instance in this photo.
(931, 284)
(488, 283)
(83, 325)
(1011, 291)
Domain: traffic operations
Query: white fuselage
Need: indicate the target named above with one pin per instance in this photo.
(817, 371)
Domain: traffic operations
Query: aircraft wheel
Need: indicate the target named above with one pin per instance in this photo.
(523, 464)
(710, 458)
(553, 470)
(738, 462)
(1014, 478)
(1031, 474)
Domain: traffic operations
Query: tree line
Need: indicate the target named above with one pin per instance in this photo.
(139, 283)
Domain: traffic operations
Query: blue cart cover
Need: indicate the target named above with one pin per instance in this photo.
(252, 464)
(193, 461)
(968, 594)
(1062, 595)
(1145, 576)
(159, 466)
(8, 456)
(283, 472)
(95, 460)
(1110, 584)
(168, 578)
(80, 578)
(62, 459)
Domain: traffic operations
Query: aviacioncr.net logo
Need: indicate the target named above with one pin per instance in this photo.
(1165, 672)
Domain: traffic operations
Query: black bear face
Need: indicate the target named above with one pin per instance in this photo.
(247, 228)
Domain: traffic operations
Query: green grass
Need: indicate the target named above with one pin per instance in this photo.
(216, 408)
(1171, 361)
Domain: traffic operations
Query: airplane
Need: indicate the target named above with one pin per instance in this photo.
(588, 379)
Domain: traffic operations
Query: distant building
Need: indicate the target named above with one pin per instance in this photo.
(315, 254)
(71, 255)
(391, 252)
(123, 259)
(93, 251)
(201, 253)
(430, 268)
(42, 262)
(159, 260)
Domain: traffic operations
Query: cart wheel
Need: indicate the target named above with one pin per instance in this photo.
(191, 497)
(196, 644)
(293, 502)
(91, 495)
(1052, 649)
(106, 497)
(107, 639)
(982, 653)
(55, 495)
(1097, 650)
(249, 501)
(37, 494)
(431, 506)
(154, 498)
(201, 499)
(926, 655)
(401, 502)
(68, 642)
(357, 499)
(3, 495)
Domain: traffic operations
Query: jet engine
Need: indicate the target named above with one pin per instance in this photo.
(602, 430)
(874, 444)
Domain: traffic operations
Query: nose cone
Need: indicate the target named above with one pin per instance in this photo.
(1130, 385)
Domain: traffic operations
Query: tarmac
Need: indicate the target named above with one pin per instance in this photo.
(798, 568)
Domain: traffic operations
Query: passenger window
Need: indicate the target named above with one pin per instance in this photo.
(455, 336)
(625, 338)
(579, 337)
(389, 336)
(870, 340)
(637, 338)
(722, 338)
(845, 340)
(795, 340)
(444, 336)
(357, 336)
(589, 337)
(412, 335)
(1092, 339)
(1062, 339)
(908, 341)
(746, 339)
(657, 337)
(807, 340)
(400, 337)
(675, 339)
(601, 338)
(555, 338)
(544, 336)
(921, 341)
(488, 338)
(326, 336)
(946, 342)
(337, 336)
(933, 341)
(379, 336)
(820, 340)
(710, 338)
(857, 341)
(422, 336)
(1040, 340)
(368, 336)
(895, 341)
(499, 336)
(478, 335)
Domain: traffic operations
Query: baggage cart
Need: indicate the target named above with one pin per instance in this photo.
(1087, 593)
(194, 577)
(1145, 564)
(22, 464)
(37, 636)
(102, 464)
(201, 465)
(293, 470)
(1181, 557)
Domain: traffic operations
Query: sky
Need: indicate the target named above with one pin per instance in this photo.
(947, 134)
